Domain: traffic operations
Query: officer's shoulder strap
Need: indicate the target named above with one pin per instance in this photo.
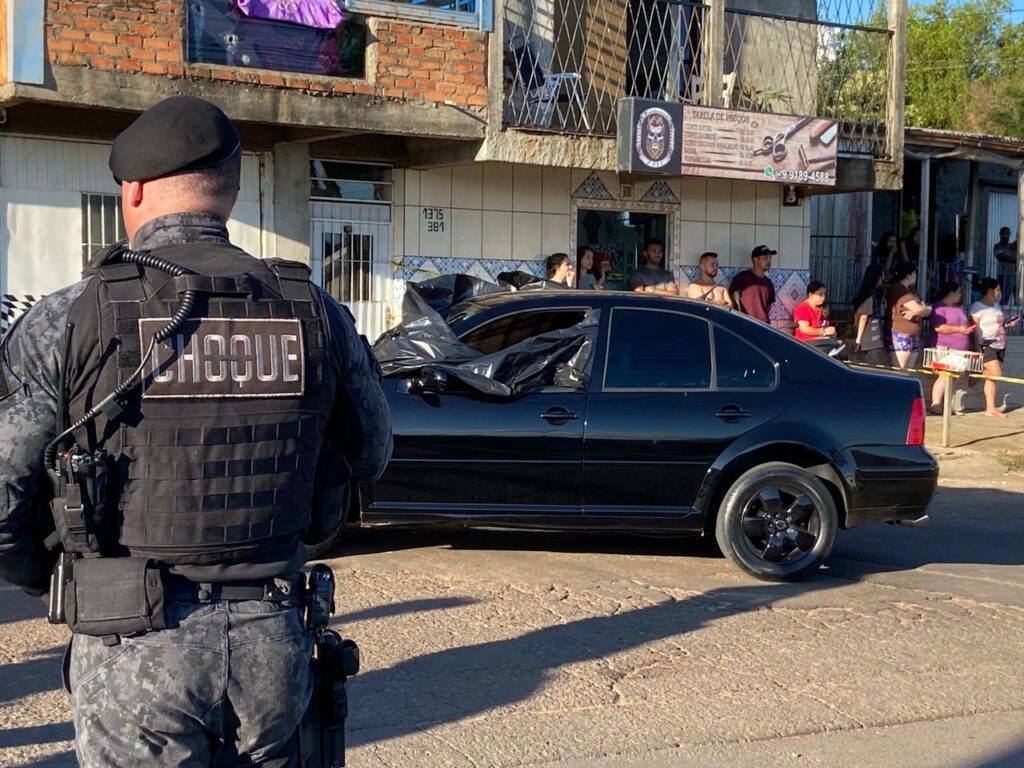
(124, 282)
(293, 277)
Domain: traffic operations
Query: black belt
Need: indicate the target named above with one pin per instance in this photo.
(282, 589)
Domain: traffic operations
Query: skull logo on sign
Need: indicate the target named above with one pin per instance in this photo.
(654, 141)
(655, 137)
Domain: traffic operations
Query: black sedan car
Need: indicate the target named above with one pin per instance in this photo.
(634, 413)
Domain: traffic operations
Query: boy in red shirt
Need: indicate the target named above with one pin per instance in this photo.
(810, 324)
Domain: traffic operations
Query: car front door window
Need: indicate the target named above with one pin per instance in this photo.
(657, 350)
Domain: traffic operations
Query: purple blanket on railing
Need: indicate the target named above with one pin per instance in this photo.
(318, 14)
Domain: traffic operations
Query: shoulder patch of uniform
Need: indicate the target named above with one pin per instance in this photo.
(295, 270)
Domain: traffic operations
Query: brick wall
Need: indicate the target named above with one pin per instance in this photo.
(407, 61)
(432, 64)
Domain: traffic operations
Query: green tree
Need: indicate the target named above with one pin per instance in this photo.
(955, 53)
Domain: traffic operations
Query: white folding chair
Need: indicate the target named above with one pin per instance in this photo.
(548, 95)
(697, 88)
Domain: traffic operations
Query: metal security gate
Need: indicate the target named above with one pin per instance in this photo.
(349, 245)
(350, 237)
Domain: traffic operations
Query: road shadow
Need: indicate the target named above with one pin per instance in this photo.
(983, 526)
(976, 526)
(39, 674)
(370, 541)
(1012, 759)
(36, 734)
(456, 684)
(64, 759)
(19, 606)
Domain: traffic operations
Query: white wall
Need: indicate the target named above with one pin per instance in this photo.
(41, 184)
(731, 217)
(40, 239)
(524, 213)
(490, 210)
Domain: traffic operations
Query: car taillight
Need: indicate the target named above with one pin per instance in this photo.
(915, 430)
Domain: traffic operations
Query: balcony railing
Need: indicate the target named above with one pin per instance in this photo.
(568, 62)
(821, 68)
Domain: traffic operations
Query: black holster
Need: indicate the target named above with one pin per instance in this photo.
(322, 734)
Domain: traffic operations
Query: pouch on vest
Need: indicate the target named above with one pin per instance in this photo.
(114, 596)
(82, 513)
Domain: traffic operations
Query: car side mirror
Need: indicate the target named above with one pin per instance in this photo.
(432, 380)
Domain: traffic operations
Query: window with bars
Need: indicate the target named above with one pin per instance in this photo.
(352, 182)
(102, 224)
(348, 265)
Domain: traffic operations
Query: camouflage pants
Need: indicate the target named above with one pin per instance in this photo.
(225, 684)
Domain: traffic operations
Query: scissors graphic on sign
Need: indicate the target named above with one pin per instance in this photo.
(776, 145)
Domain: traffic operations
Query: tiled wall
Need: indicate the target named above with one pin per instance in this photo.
(731, 217)
(492, 211)
(498, 217)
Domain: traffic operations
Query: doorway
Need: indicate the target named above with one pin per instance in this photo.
(350, 237)
(621, 235)
(1003, 211)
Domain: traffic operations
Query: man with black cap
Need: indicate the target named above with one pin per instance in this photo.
(183, 401)
(752, 291)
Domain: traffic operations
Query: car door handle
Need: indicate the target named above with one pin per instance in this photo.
(559, 414)
(733, 413)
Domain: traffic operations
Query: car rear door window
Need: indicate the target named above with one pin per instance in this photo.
(511, 329)
(739, 366)
(652, 349)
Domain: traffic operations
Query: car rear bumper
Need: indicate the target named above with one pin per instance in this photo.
(889, 483)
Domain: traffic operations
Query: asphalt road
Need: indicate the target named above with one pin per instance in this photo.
(488, 649)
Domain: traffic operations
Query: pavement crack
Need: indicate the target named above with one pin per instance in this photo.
(453, 748)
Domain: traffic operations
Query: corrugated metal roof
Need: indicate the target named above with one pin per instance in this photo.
(936, 138)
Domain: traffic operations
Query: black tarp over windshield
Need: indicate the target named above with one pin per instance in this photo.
(560, 358)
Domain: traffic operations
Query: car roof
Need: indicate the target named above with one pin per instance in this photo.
(554, 296)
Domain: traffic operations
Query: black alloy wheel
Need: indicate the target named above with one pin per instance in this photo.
(777, 522)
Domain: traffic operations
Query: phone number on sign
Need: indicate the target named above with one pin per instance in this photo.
(821, 177)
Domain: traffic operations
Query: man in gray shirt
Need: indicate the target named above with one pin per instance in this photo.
(650, 277)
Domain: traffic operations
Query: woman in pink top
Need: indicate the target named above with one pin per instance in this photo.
(952, 329)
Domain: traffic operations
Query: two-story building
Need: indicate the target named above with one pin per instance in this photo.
(388, 140)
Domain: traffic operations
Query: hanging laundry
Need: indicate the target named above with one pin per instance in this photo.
(317, 14)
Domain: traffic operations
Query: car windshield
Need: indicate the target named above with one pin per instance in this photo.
(463, 312)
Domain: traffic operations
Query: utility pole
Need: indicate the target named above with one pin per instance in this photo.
(896, 101)
(714, 53)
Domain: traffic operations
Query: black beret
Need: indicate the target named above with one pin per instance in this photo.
(178, 135)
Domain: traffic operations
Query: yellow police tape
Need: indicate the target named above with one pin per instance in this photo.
(930, 372)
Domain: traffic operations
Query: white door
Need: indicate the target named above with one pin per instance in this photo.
(349, 246)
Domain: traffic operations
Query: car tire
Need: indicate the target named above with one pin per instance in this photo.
(777, 522)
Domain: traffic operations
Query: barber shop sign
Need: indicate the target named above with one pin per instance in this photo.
(650, 136)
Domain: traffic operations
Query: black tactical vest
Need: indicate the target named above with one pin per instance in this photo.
(215, 454)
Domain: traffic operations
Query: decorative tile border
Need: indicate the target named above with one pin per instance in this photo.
(659, 192)
(593, 188)
(790, 287)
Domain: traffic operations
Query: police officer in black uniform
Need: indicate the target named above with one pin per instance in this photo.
(197, 389)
